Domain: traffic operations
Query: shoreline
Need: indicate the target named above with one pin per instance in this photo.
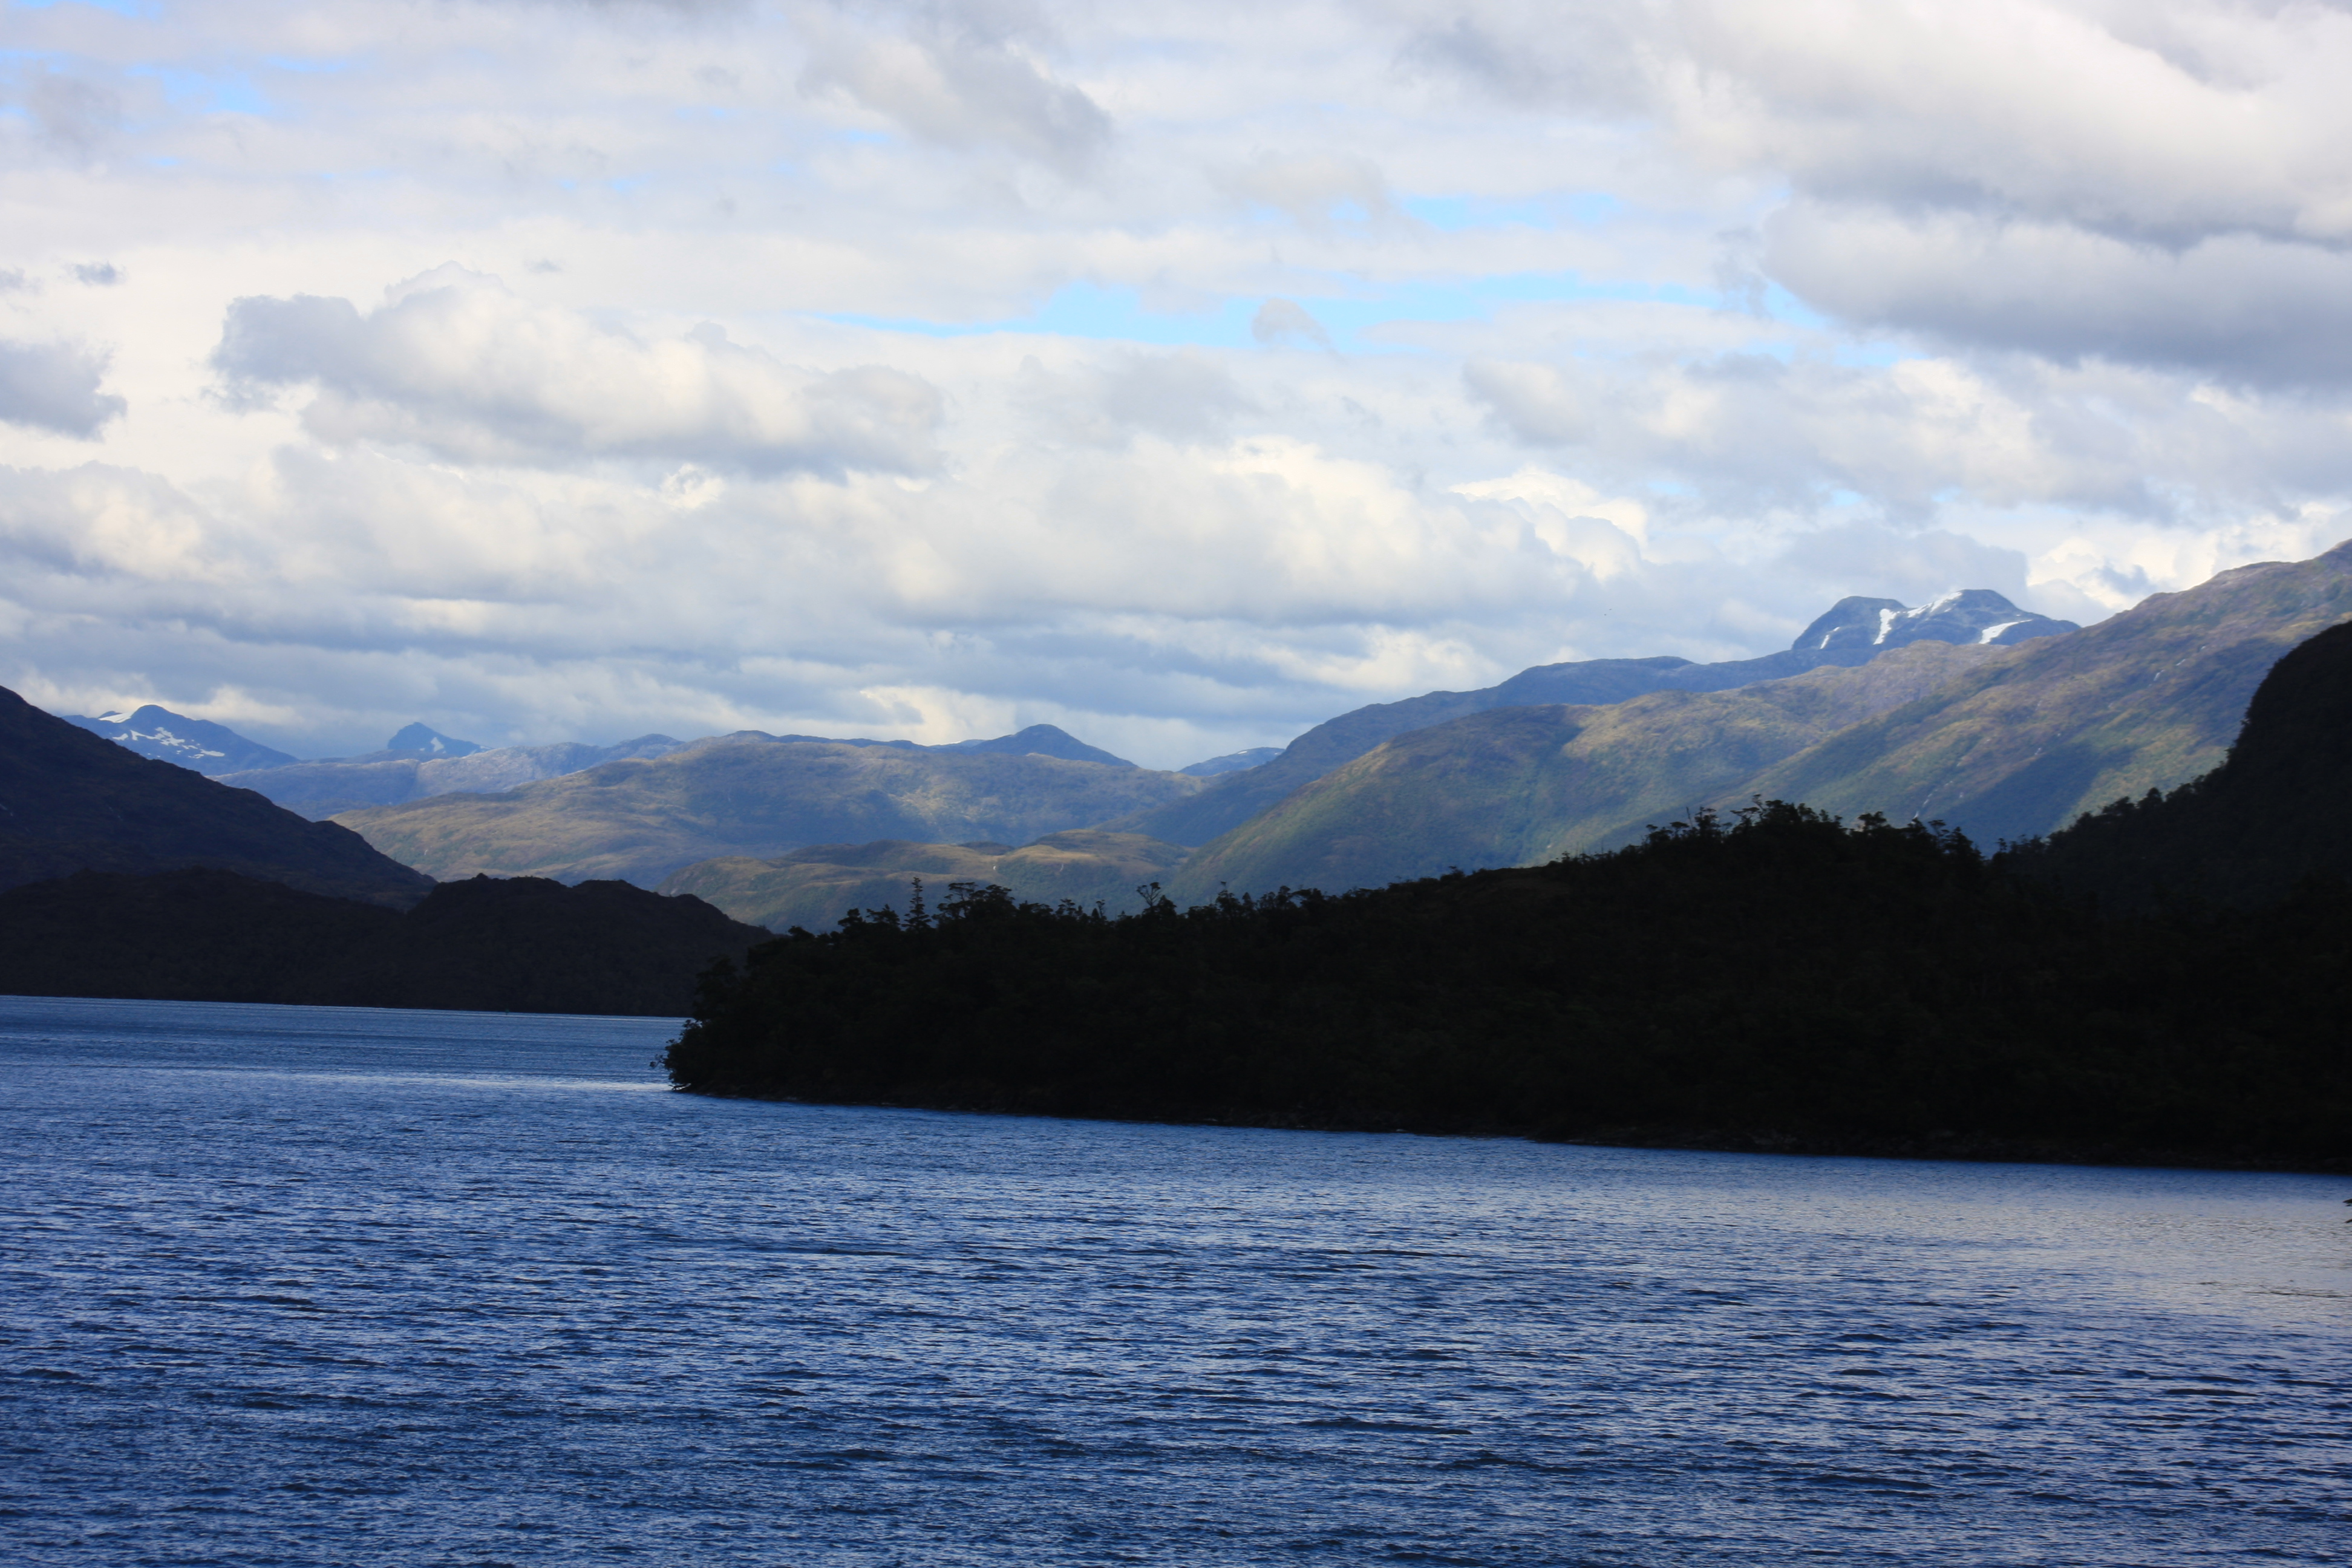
(1954, 1147)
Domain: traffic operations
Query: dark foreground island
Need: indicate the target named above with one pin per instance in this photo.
(1781, 981)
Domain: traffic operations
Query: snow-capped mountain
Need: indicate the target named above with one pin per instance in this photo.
(197, 743)
(1962, 616)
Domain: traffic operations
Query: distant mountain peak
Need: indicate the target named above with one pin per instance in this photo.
(1043, 741)
(432, 742)
(1957, 615)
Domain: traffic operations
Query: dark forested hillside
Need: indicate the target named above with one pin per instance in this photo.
(524, 946)
(2273, 816)
(1778, 982)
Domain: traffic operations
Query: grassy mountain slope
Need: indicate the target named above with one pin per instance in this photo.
(1855, 632)
(752, 795)
(813, 888)
(1514, 786)
(1233, 799)
(72, 801)
(2021, 744)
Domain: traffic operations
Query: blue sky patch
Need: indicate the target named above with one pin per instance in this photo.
(203, 90)
(138, 10)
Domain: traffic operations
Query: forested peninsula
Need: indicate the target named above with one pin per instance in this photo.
(1772, 980)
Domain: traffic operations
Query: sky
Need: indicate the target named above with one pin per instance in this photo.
(1180, 375)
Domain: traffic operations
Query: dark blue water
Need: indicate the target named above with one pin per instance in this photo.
(295, 1286)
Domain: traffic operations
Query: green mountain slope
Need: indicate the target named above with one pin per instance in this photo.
(1514, 786)
(751, 795)
(1854, 631)
(2020, 745)
(71, 801)
(814, 887)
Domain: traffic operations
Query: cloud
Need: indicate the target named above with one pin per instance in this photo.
(70, 114)
(1316, 189)
(2240, 307)
(950, 78)
(1280, 322)
(1183, 397)
(2159, 184)
(1753, 431)
(97, 275)
(1536, 403)
(54, 386)
(454, 362)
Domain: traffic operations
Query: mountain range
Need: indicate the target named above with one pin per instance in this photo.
(396, 775)
(1516, 786)
(419, 763)
(757, 795)
(1853, 631)
(1967, 707)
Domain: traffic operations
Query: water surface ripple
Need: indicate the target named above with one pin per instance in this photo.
(316, 1285)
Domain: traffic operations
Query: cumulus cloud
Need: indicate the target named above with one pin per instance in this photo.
(454, 362)
(2167, 183)
(1757, 431)
(2234, 306)
(54, 386)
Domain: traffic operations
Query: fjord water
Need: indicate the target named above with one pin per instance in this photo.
(316, 1285)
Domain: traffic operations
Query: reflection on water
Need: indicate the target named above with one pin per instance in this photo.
(299, 1286)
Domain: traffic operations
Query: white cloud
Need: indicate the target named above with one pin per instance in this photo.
(455, 364)
(54, 386)
(959, 77)
(1280, 322)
